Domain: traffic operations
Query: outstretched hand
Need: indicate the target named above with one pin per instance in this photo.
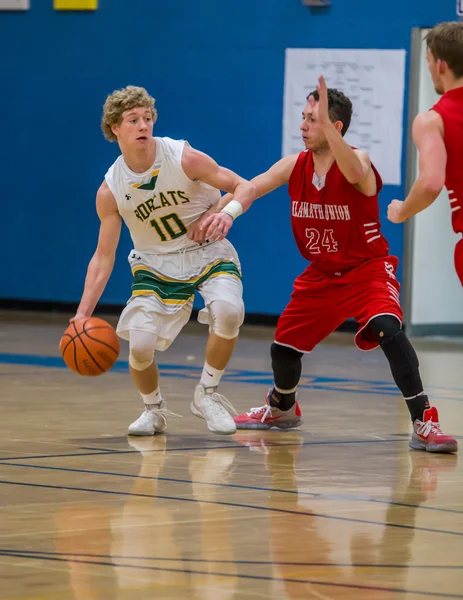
(323, 113)
(217, 226)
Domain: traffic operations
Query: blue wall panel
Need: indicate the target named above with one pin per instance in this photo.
(216, 70)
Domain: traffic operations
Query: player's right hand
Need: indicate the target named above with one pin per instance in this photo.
(78, 316)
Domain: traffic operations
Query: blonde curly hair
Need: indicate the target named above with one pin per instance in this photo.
(118, 102)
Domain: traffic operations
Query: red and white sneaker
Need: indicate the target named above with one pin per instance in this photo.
(266, 417)
(428, 436)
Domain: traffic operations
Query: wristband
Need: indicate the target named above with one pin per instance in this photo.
(233, 209)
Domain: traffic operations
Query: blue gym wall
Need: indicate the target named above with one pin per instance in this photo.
(216, 69)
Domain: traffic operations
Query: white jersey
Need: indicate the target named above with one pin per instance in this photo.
(158, 205)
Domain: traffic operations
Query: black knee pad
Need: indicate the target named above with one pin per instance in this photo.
(286, 365)
(400, 353)
(384, 327)
(279, 352)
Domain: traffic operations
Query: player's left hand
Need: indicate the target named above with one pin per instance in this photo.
(394, 212)
(194, 231)
(217, 226)
(323, 115)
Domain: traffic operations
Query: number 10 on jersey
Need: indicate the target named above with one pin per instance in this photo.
(169, 227)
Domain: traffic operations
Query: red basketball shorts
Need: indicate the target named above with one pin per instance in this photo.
(320, 304)
(459, 260)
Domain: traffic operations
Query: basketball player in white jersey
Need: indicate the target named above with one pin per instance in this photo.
(159, 186)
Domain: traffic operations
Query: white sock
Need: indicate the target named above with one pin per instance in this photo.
(210, 377)
(153, 398)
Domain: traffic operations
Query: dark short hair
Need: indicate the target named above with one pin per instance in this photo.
(339, 107)
(445, 42)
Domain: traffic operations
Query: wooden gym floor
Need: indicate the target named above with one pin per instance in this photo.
(340, 509)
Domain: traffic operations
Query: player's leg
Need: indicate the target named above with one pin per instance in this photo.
(404, 364)
(223, 296)
(227, 320)
(315, 310)
(287, 368)
(145, 375)
(379, 314)
(148, 327)
(142, 367)
(281, 408)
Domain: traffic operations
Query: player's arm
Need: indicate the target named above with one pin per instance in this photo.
(428, 135)
(355, 165)
(198, 165)
(102, 262)
(278, 175)
(275, 177)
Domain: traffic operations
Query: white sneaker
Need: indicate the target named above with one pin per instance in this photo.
(213, 407)
(152, 420)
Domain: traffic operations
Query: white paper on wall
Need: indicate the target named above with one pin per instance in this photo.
(374, 80)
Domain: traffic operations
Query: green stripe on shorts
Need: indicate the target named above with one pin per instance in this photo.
(145, 281)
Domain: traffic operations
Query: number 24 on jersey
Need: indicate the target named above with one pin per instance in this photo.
(318, 240)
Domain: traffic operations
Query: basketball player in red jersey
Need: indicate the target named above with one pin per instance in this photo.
(438, 135)
(335, 219)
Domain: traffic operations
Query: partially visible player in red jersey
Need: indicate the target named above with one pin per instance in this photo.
(335, 219)
(438, 135)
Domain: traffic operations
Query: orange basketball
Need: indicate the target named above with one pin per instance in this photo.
(90, 346)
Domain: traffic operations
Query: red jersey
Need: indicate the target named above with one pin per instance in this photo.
(335, 226)
(450, 108)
